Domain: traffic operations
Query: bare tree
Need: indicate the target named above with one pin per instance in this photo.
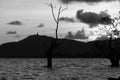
(57, 19)
(54, 43)
(113, 32)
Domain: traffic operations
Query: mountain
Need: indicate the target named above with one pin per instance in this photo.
(37, 46)
(32, 46)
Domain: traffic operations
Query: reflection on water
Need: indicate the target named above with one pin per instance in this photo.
(63, 69)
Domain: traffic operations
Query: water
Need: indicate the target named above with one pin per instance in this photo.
(63, 69)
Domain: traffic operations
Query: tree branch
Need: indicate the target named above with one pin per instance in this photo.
(54, 15)
(57, 19)
(64, 9)
(52, 7)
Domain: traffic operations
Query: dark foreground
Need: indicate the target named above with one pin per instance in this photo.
(63, 69)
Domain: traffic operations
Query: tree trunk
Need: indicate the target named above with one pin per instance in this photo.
(49, 55)
(49, 62)
(49, 59)
(114, 62)
(113, 59)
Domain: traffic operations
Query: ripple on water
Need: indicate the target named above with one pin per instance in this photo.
(63, 69)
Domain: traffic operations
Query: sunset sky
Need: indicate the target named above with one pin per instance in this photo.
(20, 18)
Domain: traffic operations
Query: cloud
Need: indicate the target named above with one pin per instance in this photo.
(15, 23)
(93, 19)
(17, 36)
(11, 32)
(103, 37)
(67, 19)
(85, 1)
(40, 25)
(78, 35)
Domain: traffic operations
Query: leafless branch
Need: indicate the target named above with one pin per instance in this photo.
(57, 19)
(52, 7)
(64, 9)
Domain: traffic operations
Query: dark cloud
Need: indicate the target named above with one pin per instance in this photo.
(85, 1)
(15, 23)
(103, 37)
(40, 25)
(67, 19)
(78, 35)
(93, 19)
(11, 32)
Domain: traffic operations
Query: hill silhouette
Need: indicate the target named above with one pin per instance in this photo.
(37, 46)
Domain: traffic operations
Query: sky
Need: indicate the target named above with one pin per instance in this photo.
(21, 18)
